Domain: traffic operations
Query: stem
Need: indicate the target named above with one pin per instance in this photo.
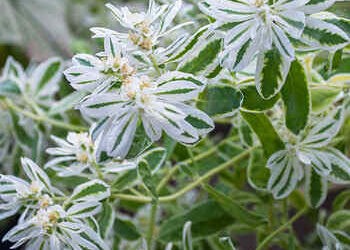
(192, 185)
(155, 64)
(281, 228)
(173, 170)
(41, 118)
(152, 224)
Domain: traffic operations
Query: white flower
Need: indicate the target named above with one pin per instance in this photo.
(160, 104)
(145, 28)
(15, 192)
(72, 156)
(54, 228)
(265, 29)
(96, 73)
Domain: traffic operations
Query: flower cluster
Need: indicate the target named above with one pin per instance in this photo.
(45, 223)
(271, 31)
(123, 92)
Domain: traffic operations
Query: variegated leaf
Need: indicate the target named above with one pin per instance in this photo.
(187, 236)
(315, 187)
(84, 209)
(340, 172)
(94, 190)
(271, 73)
(319, 34)
(323, 132)
(286, 172)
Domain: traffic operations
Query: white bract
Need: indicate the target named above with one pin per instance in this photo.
(96, 73)
(15, 192)
(160, 103)
(72, 156)
(266, 30)
(313, 156)
(44, 224)
(54, 228)
(144, 28)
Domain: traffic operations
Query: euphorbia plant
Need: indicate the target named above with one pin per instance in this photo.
(138, 169)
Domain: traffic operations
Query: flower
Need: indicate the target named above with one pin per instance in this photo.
(96, 73)
(160, 103)
(145, 28)
(73, 156)
(54, 228)
(267, 30)
(15, 192)
(312, 158)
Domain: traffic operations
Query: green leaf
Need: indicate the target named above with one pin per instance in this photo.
(341, 200)
(226, 243)
(189, 45)
(125, 229)
(125, 180)
(155, 158)
(322, 97)
(106, 219)
(253, 101)
(67, 103)
(145, 173)
(47, 74)
(321, 34)
(266, 133)
(296, 98)
(207, 218)
(257, 173)
(9, 88)
(203, 59)
(272, 70)
(94, 190)
(235, 210)
(339, 220)
(316, 188)
(140, 144)
(218, 100)
(340, 172)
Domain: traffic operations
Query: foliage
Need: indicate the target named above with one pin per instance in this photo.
(122, 149)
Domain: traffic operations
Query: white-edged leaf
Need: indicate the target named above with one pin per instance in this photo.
(106, 219)
(286, 172)
(315, 187)
(271, 72)
(35, 173)
(94, 190)
(155, 158)
(67, 103)
(187, 236)
(84, 209)
(226, 243)
(319, 34)
(46, 76)
(323, 132)
(340, 172)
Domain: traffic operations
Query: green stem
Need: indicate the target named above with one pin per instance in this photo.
(281, 228)
(41, 118)
(192, 185)
(155, 64)
(198, 157)
(152, 225)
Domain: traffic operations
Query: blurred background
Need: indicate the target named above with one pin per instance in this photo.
(34, 30)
